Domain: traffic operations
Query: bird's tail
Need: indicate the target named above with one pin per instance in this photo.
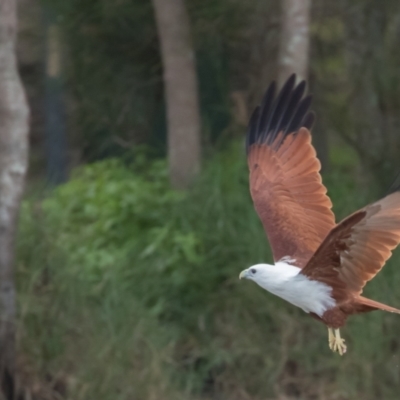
(366, 305)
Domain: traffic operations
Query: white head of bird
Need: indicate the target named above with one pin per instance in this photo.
(269, 276)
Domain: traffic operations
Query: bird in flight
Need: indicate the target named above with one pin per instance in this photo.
(319, 266)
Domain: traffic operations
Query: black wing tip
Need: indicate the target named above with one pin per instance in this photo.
(286, 111)
(309, 120)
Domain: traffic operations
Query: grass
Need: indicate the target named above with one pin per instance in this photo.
(148, 306)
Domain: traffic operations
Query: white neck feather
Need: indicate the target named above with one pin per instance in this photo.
(285, 281)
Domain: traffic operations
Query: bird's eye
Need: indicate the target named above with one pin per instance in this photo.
(253, 271)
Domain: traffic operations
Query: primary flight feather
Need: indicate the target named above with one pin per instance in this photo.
(320, 266)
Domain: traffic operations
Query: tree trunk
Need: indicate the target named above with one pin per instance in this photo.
(56, 142)
(294, 57)
(295, 38)
(13, 164)
(181, 92)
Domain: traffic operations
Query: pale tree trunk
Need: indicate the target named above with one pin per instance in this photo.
(294, 57)
(13, 164)
(181, 92)
(295, 38)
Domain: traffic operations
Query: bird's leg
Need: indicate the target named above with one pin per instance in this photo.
(331, 338)
(336, 343)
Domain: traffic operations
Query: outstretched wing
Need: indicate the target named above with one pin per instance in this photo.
(357, 248)
(285, 183)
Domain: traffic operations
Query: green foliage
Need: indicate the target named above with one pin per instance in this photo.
(131, 290)
(117, 220)
(119, 210)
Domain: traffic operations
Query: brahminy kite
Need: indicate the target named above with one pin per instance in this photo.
(319, 266)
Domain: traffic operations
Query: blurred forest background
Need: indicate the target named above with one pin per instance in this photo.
(137, 219)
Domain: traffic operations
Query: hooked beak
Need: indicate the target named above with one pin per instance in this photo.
(244, 274)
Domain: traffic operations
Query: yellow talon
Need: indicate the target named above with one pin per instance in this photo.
(331, 338)
(336, 343)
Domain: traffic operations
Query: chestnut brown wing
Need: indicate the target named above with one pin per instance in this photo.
(285, 183)
(357, 248)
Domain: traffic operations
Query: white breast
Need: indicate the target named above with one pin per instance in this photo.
(285, 281)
